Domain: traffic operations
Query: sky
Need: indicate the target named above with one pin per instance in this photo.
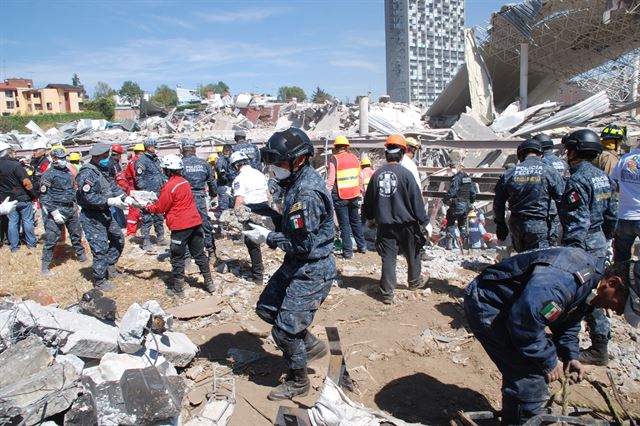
(252, 45)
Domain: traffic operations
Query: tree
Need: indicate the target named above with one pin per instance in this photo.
(103, 90)
(165, 96)
(320, 96)
(286, 93)
(219, 87)
(106, 105)
(75, 80)
(131, 93)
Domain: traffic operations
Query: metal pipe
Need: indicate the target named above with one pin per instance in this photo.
(364, 115)
(524, 75)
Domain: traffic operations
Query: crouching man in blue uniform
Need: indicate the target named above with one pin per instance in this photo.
(297, 289)
(510, 304)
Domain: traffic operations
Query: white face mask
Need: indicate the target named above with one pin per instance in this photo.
(61, 164)
(279, 173)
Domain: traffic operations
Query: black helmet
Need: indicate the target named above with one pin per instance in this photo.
(530, 145)
(613, 132)
(286, 146)
(584, 140)
(545, 141)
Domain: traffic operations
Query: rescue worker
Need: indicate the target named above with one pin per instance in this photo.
(250, 189)
(203, 186)
(58, 200)
(212, 162)
(75, 160)
(460, 198)
(510, 305)
(627, 175)
(343, 182)
(134, 214)
(394, 201)
(611, 137)
(530, 188)
(149, 177)
(225, 178)
(409, 161)
(251, 151)
(366, 171)
(183, 219)
(115, 174)
(95, 195)
(588, 214)
(297, 289)
(16, 184)
(39, 162)
(562, 168)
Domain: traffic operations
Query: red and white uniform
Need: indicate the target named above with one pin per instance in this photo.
(177, 204)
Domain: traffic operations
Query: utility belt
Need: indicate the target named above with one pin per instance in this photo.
(64, 204)
(527, 218)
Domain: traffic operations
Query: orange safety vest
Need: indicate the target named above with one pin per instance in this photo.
(347, 175)
(365, 177)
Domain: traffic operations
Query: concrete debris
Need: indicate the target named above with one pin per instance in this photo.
(25, 358)
(72, 360)
(83, 412)
(176, 347)
(94, 303)
(151, 397)
(470, 127)
(143, 197)
(237, 220)
(112, 366)
(200, 308)
(160, 320)
(132, 328)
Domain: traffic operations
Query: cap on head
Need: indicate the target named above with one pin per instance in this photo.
(188, 143)
(365, 161)
(395, 141)
(150, 143)
(172, 162)
(39, 144)
(413, 143)
(117, 148)
(238, 156)
(99, 149)
(74, 156)
(58, 152)
(212, 158)
(341, 141)
(139, 147)
(240, 134)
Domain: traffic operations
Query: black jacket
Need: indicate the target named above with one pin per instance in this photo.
(14, 181)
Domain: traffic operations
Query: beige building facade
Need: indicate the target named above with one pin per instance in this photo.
(17, 96)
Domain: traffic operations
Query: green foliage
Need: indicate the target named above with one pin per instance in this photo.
(286, 93)
(165, 96)
(320, 96)
(103, 90)
(105, 105)
(46, 121)
(75, 80)
(219, 87)
(131, 93)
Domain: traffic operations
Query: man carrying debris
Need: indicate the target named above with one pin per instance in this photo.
(460, 198)
(530, 188)
(203, 185)
(588, 214)
(134, 214)
(149, 177)
(510, 305)
(250, 150)
(225, 178)
(58, 200)
(183, 219)
(343, 182)
(394, 201)
(96, 195)
(297, 289)
(562, 168)
(611, 137)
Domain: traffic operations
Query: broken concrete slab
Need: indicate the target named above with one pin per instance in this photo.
(149, 396)
(215, 412)
(83, 412)
(200, 308)
(7, 318)
(469, 127)
(41, 395)
(112, 366)
(72, 360)
(110, 404)
(132, 328)
(94, 303)
(176, 347)
(160, 320)
(25, 358)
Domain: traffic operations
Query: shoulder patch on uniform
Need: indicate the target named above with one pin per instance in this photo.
(43, 188)
(296, 220)
(573, 198)
(236, 185)
(466, 180)
(139, 170)
(551, 310)
(297, 206)
(86, 187)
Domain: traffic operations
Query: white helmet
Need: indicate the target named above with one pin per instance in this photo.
(4, 146)
(39, 144)
(172, 162)
(238, 156)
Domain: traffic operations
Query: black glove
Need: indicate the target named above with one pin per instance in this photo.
(502, 231)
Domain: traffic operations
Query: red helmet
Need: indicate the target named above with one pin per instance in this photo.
(117, 148)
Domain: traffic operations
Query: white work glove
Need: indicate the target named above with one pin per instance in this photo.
(129, 201)
(116, 202)
(57, 217)
(7, 206)
(258, 234)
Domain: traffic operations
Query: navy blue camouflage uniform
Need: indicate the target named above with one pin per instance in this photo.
(149, 177)
(508, 307)
(460, 198)
(562, 168)
(58, 192)
(203, 185)
(226, 175)
(531, 187)
(102, 232)
(297, 289)
(588, 214)
(251, 151)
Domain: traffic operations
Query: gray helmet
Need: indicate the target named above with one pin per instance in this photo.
(583, 140)
(58, 153)
(287, 145)
(187, 143)
(150, 142)
(530, 145)
(545, 141)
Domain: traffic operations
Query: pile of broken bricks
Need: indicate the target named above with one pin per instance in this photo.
(79, 366)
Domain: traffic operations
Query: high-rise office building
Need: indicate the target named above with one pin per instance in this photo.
(424, 47)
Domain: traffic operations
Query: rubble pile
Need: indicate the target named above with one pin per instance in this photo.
(81, 364)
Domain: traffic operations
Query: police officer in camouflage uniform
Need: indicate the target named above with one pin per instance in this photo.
(562, 168)
(460, 198)
(149, 177)
(588, 214)
(58, 201)
(250, 150)
(203, 186)
(96, 195)
(297, 289)
(226, 175)
(510, 306)
(530, 188)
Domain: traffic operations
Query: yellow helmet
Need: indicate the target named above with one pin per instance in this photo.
(74, 156)
(341, 140)
(212, 158)
(219, 149)
(412, 142)
(139, 147)
(365, 162)
(59, 146)
(472, 213)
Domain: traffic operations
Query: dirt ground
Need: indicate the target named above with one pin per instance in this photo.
(418, 379)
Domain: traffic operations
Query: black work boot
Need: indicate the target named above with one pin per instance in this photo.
(104, 285)
(113, 272)
(597, 354)
(44, 270)
(177, 290)
(315, 348)
(296, 384)
(208, 282)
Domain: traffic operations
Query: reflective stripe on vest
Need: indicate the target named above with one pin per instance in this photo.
(347, 175)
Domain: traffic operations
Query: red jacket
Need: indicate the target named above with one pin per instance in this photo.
(177, 204)
(129, 176)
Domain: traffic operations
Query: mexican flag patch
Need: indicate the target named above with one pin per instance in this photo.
(573, 197)
(551, 311)
(296, 221)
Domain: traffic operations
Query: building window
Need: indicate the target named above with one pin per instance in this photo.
(8, 93)
(36, 95)
(11, 105)
(80, 106)
(49, 106)
(38, 107)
